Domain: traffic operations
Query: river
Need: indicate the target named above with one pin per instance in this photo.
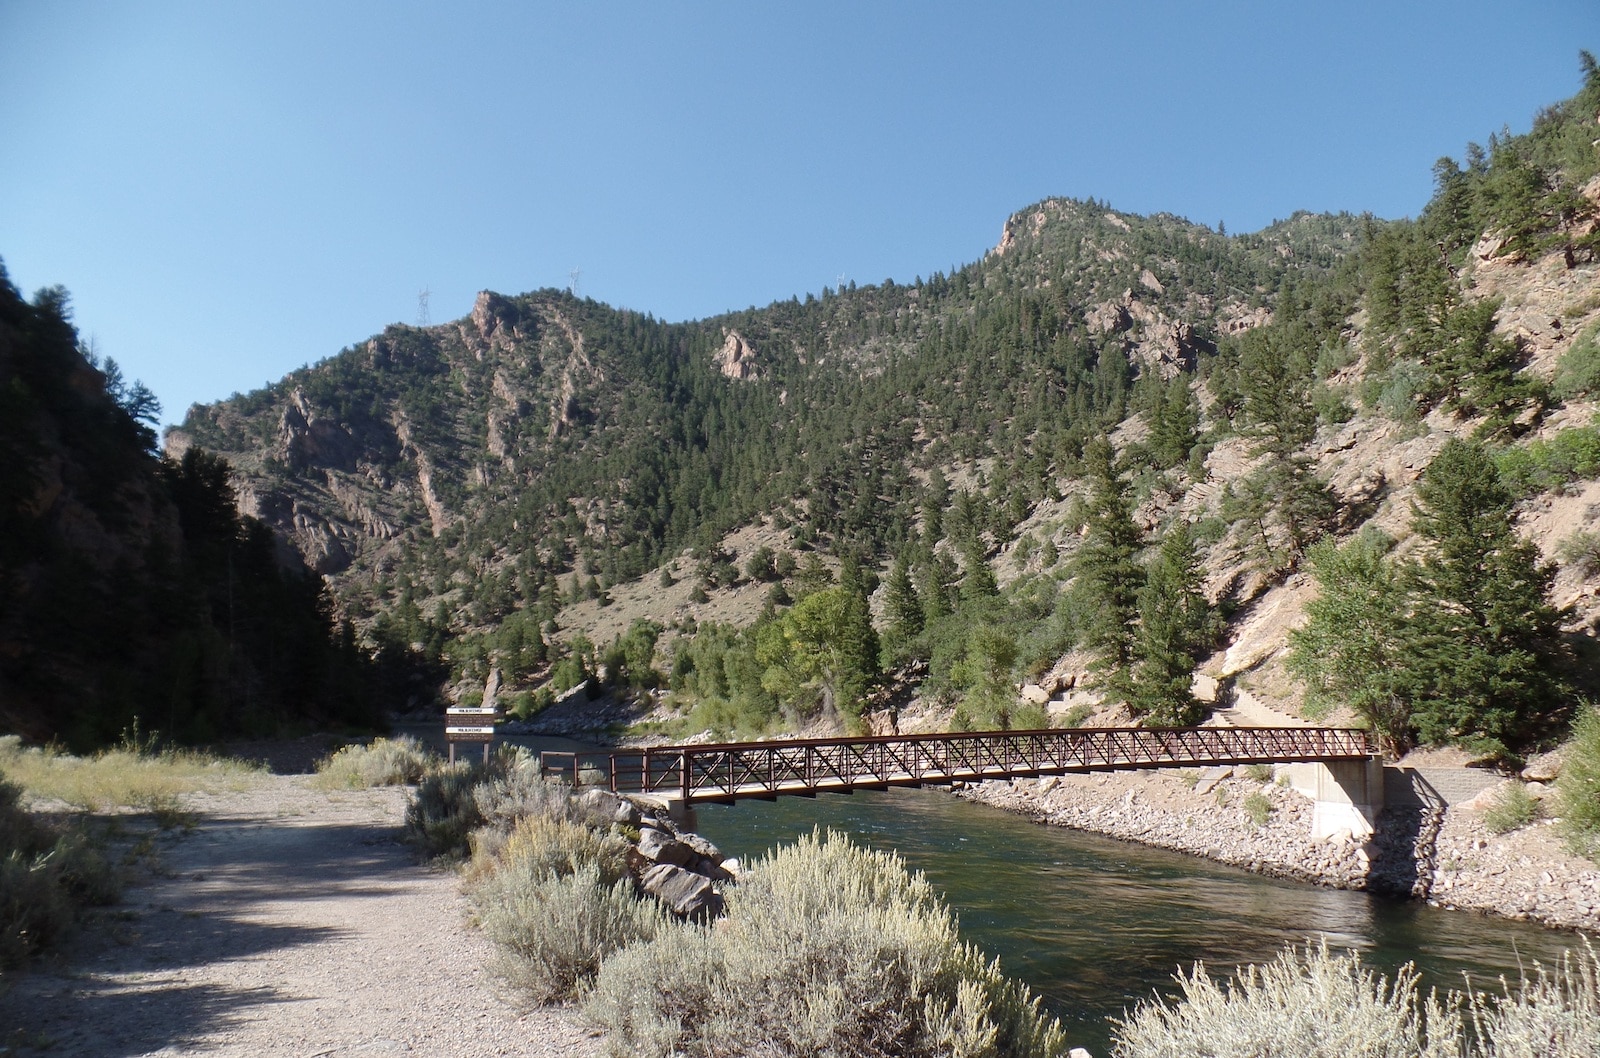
(1094, 925)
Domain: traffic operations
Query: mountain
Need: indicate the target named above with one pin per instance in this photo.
(132, 593)
(513, 490)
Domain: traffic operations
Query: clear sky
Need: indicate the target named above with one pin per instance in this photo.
(231, 190)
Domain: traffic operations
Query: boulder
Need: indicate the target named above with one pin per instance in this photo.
(701, 847)
(1034, 694)
(683, 892)
(1209, 777)
(658, 847)
(1545, 768)
(603, 806)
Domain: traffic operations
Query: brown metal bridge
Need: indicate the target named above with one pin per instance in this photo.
(731, 771)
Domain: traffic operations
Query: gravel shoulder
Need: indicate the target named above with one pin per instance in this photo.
(289, 922)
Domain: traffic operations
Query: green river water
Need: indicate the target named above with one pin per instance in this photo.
(1094, 925)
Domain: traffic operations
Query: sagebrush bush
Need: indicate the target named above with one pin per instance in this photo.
(1307, 1003)
(1578, 789)
(1313, 1004)
(538, 845)
(555, 929)
(1552, 1014)
(826, 948)
(1513, 808)
(443, 812)
(1581, 552)
(381, 762)
(518, 792)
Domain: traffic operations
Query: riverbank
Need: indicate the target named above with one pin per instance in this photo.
(1445, 855)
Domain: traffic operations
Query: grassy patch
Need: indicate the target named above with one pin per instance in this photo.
(1257, 808)
(1578, 789)
(1513, 808)
(121, 778)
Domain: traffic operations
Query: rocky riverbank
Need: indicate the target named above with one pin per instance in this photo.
(1443, 854)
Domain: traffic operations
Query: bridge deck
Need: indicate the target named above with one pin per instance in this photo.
(732, 771)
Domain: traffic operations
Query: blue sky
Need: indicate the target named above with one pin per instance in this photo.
(230, 191)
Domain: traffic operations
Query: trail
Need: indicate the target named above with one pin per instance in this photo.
(289, 922)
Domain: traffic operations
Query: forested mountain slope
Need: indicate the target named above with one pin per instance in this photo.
(1113, 444)
(131, 590)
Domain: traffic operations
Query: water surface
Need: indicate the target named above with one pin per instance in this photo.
(1094, 924)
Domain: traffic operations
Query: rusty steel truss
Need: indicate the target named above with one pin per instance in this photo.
(731, 771)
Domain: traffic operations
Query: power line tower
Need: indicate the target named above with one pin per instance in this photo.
(572, 286)
(423, 319)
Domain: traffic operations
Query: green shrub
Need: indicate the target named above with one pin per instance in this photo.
(1257, 808)
(1578, 369)
(1257, 772)
(382, 762)
(826, 948)
(1308, 1004)
(443, 812)
(1578, 789)
(555, 929)
(1513, 808)
(1548, 465)
(45, 876)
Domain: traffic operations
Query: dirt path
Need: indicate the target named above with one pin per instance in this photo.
(290, 922)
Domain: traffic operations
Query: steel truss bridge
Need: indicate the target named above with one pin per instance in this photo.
(727, 772)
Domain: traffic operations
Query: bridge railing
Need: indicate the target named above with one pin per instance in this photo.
(728, 771)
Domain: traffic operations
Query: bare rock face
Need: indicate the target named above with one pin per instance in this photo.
(1154, 341)
(737, 358)
(307, 438)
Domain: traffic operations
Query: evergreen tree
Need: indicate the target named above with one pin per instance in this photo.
(1110, 575)
(1458, 646)
(903, 608)
(1487, 636)
(1176, 625)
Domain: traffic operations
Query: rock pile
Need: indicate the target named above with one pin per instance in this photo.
(680, 869)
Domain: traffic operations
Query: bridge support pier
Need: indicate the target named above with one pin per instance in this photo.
(1347, 795)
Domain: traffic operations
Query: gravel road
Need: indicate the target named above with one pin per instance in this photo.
(289, 922)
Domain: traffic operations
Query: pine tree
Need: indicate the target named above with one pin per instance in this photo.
(903, 605)
(1110, 575)
(1176, 625)
(1488, 638)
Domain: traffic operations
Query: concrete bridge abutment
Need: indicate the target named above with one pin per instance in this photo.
(1347, 795)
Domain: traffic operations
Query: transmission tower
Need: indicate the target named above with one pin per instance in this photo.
(423, 319)
(572, 286)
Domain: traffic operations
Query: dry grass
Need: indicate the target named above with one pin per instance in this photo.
(120, 778)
